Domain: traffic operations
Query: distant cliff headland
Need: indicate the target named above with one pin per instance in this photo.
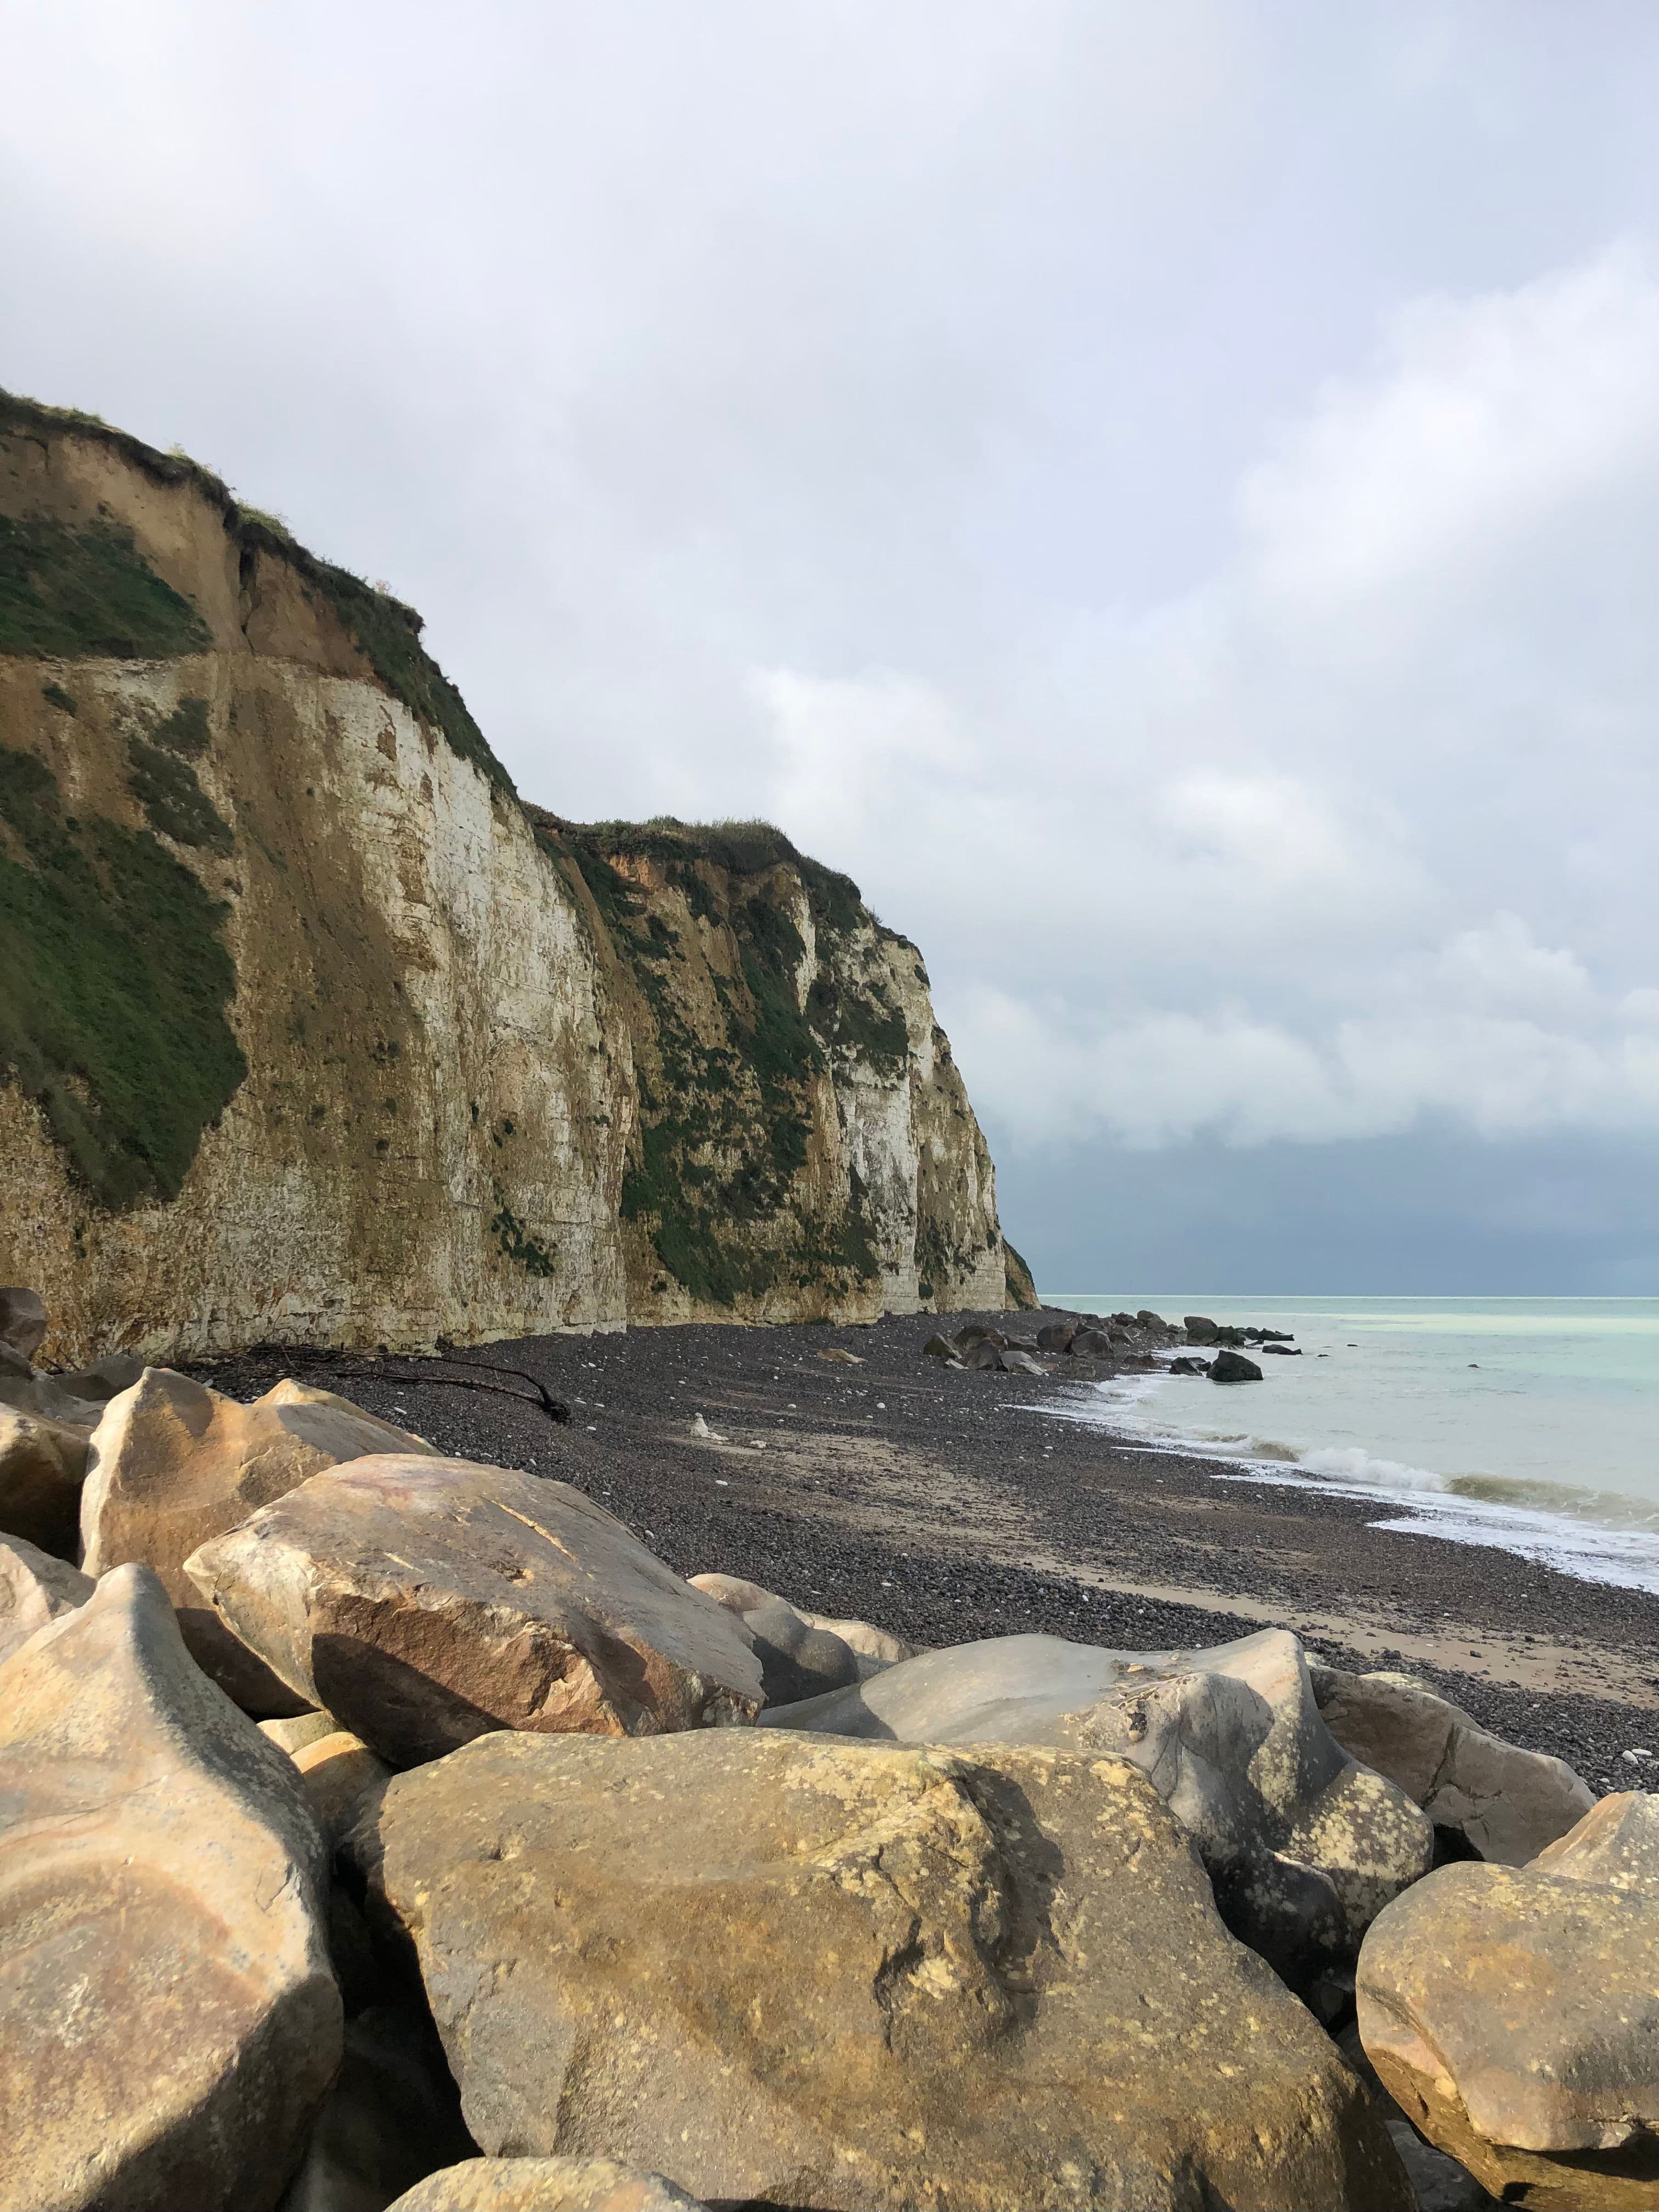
(312, 1029)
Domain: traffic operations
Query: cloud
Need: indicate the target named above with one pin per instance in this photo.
(1490, 417)
(1166, 497)
(1226, 877)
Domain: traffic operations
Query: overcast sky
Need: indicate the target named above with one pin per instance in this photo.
(1166, 496)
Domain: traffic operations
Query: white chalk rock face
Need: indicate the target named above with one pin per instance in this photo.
(1509, 1803)
(426, 1601)
(545, 2185)
(1304, 1846)
(173, 1463)
(34, 1590)
(169, 2019)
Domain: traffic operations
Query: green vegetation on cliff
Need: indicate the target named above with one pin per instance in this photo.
(727, 1114)
(113, 991)
(67, 594)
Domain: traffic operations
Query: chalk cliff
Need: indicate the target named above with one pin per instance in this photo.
(312, 1029)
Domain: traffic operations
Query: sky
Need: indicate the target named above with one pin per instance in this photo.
(1167, 498)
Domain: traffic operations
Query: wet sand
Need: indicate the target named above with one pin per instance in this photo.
(944, 1506)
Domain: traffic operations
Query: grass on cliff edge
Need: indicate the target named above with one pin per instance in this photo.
(69, 594)
(113, 992)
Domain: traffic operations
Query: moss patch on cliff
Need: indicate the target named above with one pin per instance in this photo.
(114, 993)
(67, 594)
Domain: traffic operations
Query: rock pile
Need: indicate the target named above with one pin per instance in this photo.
(510, 1903)
(1088, 1345)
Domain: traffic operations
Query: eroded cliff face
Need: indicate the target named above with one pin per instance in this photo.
(310, 1029)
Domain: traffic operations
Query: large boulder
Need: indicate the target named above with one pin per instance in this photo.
(1513, 2013)
(858, 1977)
(546, 2184)
(1233, 1367)
(34, 1588)
(173, 1463)
(424, 1601)
(22, 1320)
(42, 1464)
(1304, 1846)
(168, 2016)
(1507, 1802)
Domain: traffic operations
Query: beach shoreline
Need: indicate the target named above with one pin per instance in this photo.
(856, 1476)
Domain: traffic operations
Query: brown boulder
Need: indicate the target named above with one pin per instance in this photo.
(858, 1977)
(424, 1601)
(42, 1464)
(173, 1463)
(34, 1588)
(168, 2016)
(545, 2185)
(1513, 2013)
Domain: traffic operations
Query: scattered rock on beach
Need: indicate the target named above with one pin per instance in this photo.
(43, 1465)
(35, 1588)
(546, 2184)
(1507, 1802)
(858, 1977)
(1233, 1367)
(173, 1463)
(1510, 2012)
(426, 1601)
(939, 1347)
(168, 2017)
(1305, 1847)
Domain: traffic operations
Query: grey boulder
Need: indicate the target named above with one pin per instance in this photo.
(1233, 1367)
(796, 1659)
(424, 1601)
(858, 1977)
(167, 2015)
(22, 1320)
(1509, 1802)
(34, 1588)
(1304, 1846)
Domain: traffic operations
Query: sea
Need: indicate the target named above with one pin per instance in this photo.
(1530, 1425)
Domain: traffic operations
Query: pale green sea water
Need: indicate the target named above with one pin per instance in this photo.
(1529, 1423)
